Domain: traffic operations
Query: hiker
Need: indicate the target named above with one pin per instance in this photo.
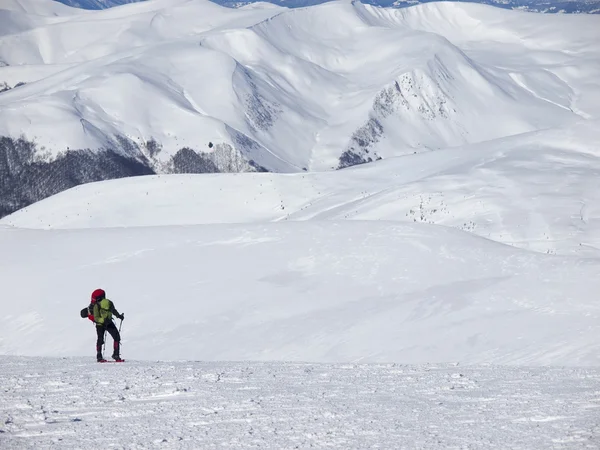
(101, 311)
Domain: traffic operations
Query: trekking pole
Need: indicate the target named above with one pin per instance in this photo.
(121, 323)
(104, 343)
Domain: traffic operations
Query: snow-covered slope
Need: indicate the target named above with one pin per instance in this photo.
(302, 291)
(310, 88)
(483, 251)
(267, 266)
(188, 86)
(541, 6)
(293, 89)
(537, 191)
(96, 4)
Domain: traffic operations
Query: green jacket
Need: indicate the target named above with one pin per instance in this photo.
(102, 312)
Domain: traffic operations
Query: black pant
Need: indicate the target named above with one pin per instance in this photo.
(112, 329)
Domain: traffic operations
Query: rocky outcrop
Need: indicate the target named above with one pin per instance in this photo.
(27, 176)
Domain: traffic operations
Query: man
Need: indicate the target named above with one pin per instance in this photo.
(101, 311)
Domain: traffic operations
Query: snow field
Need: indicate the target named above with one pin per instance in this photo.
(323, 291)
(76, 403)
(536, 191)
(444, 297)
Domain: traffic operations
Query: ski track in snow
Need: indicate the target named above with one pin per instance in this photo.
(76, 403)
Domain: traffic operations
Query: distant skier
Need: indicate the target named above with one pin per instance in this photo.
(100, 312)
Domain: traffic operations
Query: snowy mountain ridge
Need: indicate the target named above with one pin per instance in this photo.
(541, 6)
(480, 215)
(146, 89)
(443, 295)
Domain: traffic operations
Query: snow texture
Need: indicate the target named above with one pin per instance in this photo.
(442, 296)
(161, 87)
(316, 88)
(481, 254)
(70, 403)
(537, 191)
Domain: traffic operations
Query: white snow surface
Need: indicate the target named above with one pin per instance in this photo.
(311, 291)
(70, 403)
(434, 299)
(537, 191)
(327, 267)
(486, 253)
(299, 82)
